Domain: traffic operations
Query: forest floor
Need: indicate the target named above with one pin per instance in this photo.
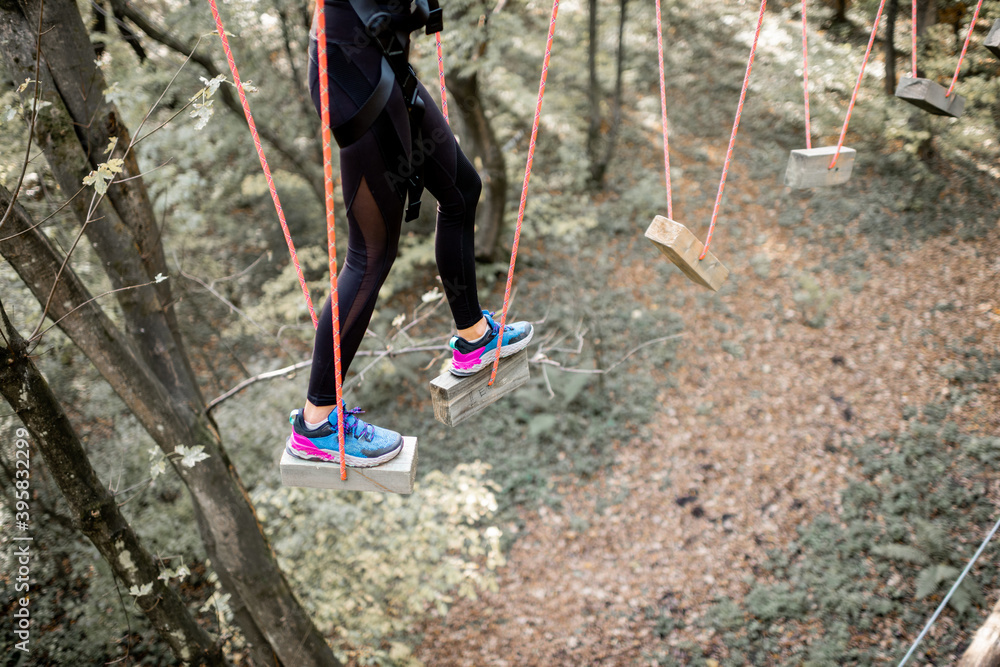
(749, 442)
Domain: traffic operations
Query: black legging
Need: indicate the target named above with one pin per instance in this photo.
(372, 170)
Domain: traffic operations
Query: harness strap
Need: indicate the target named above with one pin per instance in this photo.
(394, 54)
(354, 127)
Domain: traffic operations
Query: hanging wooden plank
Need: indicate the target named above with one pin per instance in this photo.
(683, 249)
(393, 476)
(984, 651)
(810, 167)
(930, 96)
(456, 398)
(992, 41)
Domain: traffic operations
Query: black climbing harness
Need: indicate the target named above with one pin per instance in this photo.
(390, 31)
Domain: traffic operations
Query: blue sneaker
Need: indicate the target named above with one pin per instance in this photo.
(471, 357)
(365, 445)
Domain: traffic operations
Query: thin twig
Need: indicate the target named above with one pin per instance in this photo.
(548, 385)
(256, 378)
(46, 218)
(540, 358)
(128, 621)
(433, 361)
(135, 137)
(360, 375)
(62, 267)
(142, 174)
(568, 350)
(115, 492)
(242, 273)
(135, 142)
(211, 290)
(417, 320)
(135, 495)
(36, 338)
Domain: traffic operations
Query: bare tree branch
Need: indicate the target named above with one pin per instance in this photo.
(46, 218)
(281, 372)
(540, 358)
(36, 338)
(95, 199)
(389, 351)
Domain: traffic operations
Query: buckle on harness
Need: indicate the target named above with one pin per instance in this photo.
(409, 87)
(435, 21)
(413, 210)
(378, 23)
(415, 189)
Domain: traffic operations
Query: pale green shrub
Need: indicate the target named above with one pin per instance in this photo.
(368, 565)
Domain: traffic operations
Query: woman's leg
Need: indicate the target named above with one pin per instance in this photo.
(451, 178)
(453, 181)
(374, 210)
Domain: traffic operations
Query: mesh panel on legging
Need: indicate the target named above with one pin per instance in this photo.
(372, 171)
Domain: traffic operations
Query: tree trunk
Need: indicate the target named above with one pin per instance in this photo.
(600, 161)
(125, 217)
(147, 365)
(594, 94)
(840, 11)
(257, 645)
(94, 509)
(890, 47)
(926, 15)
(236, 542)
(489, 215)
(984, 651)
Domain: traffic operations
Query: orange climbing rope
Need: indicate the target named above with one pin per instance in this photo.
(736, 122)
(328, 174)
(965, 47)
(331, 231)
(736, 127)
(263, 159)
(857, 85)
(524, 188)
(444, 95)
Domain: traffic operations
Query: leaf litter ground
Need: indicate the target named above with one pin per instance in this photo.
(750, 441)
(831, 333)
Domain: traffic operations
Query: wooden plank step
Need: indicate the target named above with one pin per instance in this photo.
(992, 41)
(456, 398)
(683, 249)
(394, 476)
(810, 167)
(929, 96)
